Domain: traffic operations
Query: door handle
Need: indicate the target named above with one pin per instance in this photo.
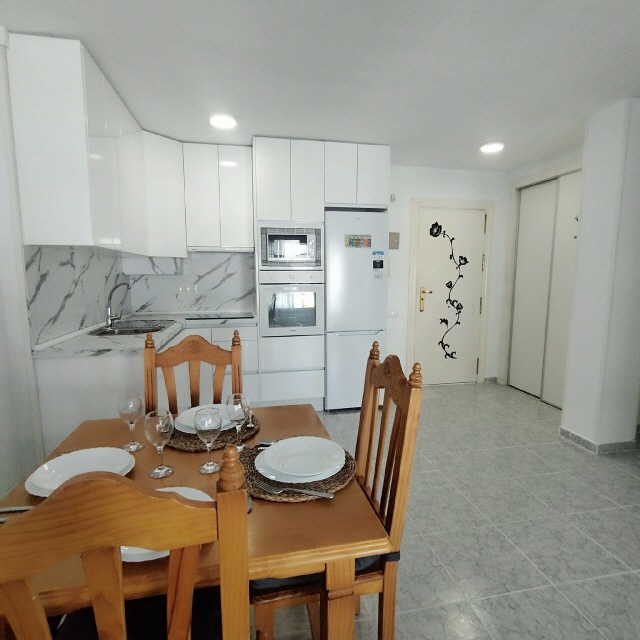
(423, 291)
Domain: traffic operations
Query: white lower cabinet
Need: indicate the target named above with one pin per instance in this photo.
(221, 336)
(291, 387)
(75, 388)
(292, 370)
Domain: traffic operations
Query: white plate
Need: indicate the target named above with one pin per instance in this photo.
(184, 422)
(304, 456)
(50, 475)
(267, 471)
(138, 554)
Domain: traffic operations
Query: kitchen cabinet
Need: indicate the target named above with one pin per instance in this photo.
(374, 167)
(272, 178)
(152, 195)
(67, 120)
(74, 388)
(340, 172)
(307, 180)
(288, 179)
(292, 370)
(221, 336)
(218, 197)
(357, 174)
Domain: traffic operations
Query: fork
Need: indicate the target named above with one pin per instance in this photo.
(276, 492)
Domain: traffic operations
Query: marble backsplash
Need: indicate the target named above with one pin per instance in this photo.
(208, 282)
(68, 287)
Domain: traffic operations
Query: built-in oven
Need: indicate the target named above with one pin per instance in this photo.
(291, 308)
(288, 245)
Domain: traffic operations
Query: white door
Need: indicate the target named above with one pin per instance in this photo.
(545, 263)
(561, 287)
(531, 289)
(449, 273)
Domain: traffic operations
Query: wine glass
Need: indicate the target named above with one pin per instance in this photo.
(131, 409)
(208, 423)
(158, 425)
(237, 409)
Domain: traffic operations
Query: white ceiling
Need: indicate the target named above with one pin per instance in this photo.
(432, 78)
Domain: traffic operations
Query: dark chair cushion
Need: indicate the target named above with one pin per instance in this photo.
(146, 619)
(267, 584)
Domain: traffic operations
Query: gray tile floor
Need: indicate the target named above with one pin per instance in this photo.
(512, 533)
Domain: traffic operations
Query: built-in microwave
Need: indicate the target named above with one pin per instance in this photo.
(285, 245)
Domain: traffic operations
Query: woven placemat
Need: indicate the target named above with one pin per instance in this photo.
(191, 442)
(332, 484)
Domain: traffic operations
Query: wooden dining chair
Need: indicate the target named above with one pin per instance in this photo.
(92, 515)
(384, 458)
(193, 350)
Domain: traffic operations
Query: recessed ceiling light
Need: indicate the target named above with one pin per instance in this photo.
(227, 163)
(492, 147)
(222, 121)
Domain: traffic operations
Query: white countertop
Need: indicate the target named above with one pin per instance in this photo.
(83, 344)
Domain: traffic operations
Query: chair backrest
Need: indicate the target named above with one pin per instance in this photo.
(92, 515)
(387, 438)
(193, 350)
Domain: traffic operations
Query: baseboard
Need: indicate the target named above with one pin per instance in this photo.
(598, 449)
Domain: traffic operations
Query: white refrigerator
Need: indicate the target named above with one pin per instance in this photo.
(356, 243)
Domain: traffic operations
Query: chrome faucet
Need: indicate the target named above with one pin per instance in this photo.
(111, 318)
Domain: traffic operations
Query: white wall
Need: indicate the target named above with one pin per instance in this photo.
(603, 360)
(408, 183)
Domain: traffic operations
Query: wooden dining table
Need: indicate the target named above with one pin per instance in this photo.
(285, 539)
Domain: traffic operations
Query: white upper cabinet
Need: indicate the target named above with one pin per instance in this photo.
(152, 195)
(374, 165)
(103, 156)
(65, 118)
(272, 172)
(289, 179)
(357, 174)
(201, 195)
(218, 197)
(236, 197)
(307, 180)
(340, 172)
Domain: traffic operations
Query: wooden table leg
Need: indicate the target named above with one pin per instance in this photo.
(338, 603)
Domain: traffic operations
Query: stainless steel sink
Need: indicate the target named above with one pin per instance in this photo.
(132, 327)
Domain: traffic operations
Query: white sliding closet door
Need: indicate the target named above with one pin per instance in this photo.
(545, 263)
(531, 293)
(561, 291)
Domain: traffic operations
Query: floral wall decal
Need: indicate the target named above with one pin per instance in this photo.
(453, 304)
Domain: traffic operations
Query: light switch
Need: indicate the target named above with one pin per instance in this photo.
(394, 240)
